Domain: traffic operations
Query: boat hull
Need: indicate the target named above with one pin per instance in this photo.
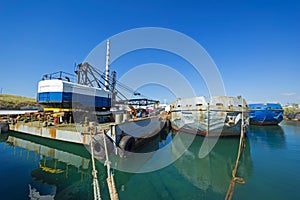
(214, 119)
(215, 126)
(265, 114)
(131, 133)
(68, 94)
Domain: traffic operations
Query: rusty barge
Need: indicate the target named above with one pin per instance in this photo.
(222, 116)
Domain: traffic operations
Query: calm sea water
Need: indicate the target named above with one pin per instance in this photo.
(270, 165)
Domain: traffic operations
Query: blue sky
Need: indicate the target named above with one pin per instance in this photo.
(255, 44)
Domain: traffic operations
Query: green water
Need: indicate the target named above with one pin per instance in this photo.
(270, 165)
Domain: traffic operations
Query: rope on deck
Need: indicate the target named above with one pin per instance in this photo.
(96, 187)
(110, 178)
(234, 171)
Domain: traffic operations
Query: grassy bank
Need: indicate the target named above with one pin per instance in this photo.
(12, 102)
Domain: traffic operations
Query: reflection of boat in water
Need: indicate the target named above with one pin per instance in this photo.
(4, 127)
(41, 191)
(222, 116)
(139, 159)
(272, 136)
(265, 114)
(62, 172)
(213, 172)
(3, 137)
(295, 123)
(60, 180)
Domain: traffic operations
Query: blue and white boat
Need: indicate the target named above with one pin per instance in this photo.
(60, 92)
(265, 114)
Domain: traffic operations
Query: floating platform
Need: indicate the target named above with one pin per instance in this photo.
(121, 134)
(68, 133)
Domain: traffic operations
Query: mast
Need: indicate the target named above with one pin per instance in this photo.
(107, 65)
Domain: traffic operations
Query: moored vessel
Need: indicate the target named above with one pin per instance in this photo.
(265, 114)
(222, 116)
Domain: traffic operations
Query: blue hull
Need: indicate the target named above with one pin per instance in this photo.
(265, 114)
(68, 97)
(67, 94)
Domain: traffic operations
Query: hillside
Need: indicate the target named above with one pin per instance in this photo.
(13, 102)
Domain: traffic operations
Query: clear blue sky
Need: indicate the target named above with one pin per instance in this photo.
(255, 44)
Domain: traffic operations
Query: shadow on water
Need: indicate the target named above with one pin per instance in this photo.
(271, 136)
(212, 173)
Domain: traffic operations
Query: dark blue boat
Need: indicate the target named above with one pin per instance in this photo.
(265, 114)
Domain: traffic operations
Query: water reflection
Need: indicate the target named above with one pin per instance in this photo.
(60, 170)
(270, 136)
(3, 137)
(49, 169)
(63, 170)
(213, 172)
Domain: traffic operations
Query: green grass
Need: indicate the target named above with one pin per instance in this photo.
(8, 101)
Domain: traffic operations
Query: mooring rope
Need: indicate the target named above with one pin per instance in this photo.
(110, 178)
(234, 171)
(96, 187)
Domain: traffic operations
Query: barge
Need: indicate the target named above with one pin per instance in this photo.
(222, 116)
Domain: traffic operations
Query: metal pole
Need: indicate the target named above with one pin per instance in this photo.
(107, 65)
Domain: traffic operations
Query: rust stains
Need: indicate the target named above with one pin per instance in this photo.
(52, 132)
(51, 153)
(84, 139)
